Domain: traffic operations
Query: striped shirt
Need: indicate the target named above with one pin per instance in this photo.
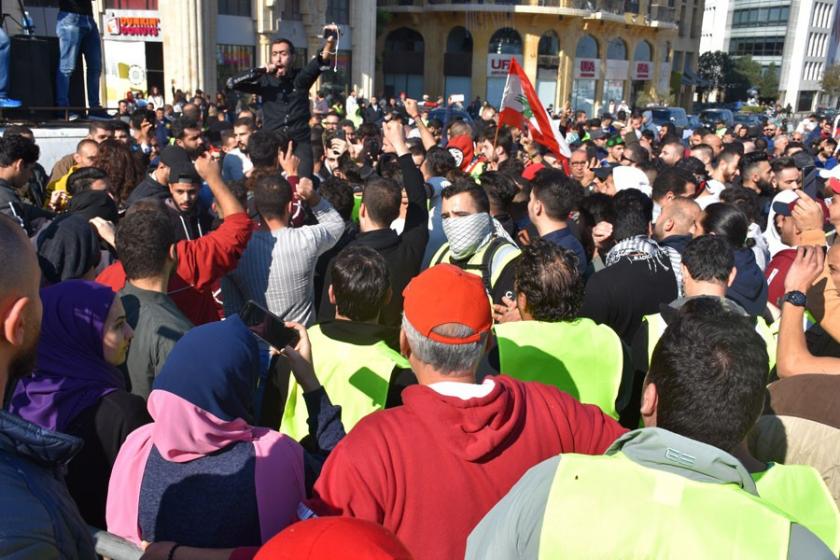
(277, 268)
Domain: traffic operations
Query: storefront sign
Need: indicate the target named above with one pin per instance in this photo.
(125, 69)
(498, 65)
(587, 68)
(642, 70)
(617, 69)
(132, 25)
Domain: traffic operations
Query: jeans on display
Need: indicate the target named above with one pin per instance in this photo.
(77, 33)
(5, 51)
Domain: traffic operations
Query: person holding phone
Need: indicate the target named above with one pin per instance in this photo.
(285, 91)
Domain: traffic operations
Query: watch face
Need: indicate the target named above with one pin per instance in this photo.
(796, 298)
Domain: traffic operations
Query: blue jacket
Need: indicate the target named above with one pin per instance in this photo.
(39, 518)
(749, 289)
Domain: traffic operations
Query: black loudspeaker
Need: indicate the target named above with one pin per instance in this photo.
(33, 64)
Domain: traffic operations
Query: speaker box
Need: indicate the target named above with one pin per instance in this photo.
(33, 64)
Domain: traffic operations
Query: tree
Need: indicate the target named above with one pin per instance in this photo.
(768, 86)
(745, 73)
(713, 69)
(831, 80)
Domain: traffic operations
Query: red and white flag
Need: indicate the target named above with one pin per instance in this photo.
(521, 107)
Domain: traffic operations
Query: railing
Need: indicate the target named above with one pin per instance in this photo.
(662, 13)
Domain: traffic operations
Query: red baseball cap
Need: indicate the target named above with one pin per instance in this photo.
(326, 538)
(446, 294)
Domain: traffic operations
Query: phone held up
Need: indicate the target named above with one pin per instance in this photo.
(268, 326)
(330, 33)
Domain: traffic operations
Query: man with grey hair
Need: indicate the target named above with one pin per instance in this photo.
(457, 445)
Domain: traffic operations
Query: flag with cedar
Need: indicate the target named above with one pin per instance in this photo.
(520, 107)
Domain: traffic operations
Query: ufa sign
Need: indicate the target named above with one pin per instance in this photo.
(587, 68)
(642, 70)
(498, 65)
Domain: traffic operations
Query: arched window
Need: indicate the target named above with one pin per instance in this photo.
(548, 62)
(457, 63)
(587, 47)
(617, 49)
(402, 62)
(506, 41)
(643, 51)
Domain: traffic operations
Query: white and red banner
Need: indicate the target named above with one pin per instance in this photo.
(587, 68)
(642, 70)
(521, 107)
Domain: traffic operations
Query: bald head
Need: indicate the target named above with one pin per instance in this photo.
(677, 218)
(714, 142)
(20, 303)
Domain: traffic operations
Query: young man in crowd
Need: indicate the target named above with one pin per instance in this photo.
(190, 220)
(670, 184)
(356, 358)
(237, 165)
(86, 152)
(146, 246)
(480, 436)
(553, 198)
(98, 131)
(18, 156)
(156, 183)
(787, 174)
(188, 135)
(671, 152)
(676, 224)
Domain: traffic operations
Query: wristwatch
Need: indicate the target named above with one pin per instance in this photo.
(795, 297)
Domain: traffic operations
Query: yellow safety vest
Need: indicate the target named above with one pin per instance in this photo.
(354, 376)
(488, 262)
(609, 507)
(656, 326)
(580, 357)
(800, 492)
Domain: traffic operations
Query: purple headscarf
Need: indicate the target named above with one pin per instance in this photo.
(71, 373)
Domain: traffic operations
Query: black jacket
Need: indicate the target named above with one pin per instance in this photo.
(373, 114)
(285, 100)
(403, 253)
(30, 218)
(189, 225)
(148, 188)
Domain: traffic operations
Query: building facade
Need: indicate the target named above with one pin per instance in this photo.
(198, 44)
(591, 54)
(790, 37)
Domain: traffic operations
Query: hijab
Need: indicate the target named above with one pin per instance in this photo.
(67, 249)
(193, 419)
(71, 373)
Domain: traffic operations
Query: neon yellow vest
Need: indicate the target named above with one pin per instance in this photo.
(503, 256)
(580, 357)
(608, 507)
(354, 376)
(656, 326)
(800, 492)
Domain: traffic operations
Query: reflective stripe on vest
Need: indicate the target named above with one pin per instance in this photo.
(656, 326)
(580, 357)
(504, 255)
(354, 376)
(608, 507)
(800, 492)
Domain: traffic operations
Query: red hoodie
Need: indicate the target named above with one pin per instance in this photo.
(432, 468)
(201, 262)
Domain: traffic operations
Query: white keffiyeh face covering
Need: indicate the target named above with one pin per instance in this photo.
(467, 233)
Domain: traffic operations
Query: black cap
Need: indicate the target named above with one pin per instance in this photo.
(598, 134)
(173, 155)
(604, 171)
(184, 172)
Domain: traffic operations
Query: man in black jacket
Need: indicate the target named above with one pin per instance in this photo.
(285, 93)
(380, 206)
(18, 156)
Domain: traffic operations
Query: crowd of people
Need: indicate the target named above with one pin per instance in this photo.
(502, 352)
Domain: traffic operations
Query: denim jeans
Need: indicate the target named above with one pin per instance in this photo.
(77, 32)
(5, 50)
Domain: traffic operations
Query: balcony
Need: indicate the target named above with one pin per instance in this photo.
(665, 14)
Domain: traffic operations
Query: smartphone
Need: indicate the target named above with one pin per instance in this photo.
(330, 33)
(268, 326)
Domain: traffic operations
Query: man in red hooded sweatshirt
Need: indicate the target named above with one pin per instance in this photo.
(429, 470)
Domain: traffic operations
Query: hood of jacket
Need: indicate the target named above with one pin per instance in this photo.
(473, 429)
(749, 289)
(39, 445)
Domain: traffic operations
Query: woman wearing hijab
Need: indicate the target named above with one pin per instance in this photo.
(202, 475)
(77, 389)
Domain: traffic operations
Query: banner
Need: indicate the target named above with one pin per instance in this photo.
(587, 68)
(617, 69)
(498, 65)
(132, 25)
(642, 70)
(125, 69)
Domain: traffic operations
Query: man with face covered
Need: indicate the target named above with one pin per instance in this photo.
(40, 519)
(477, 243)
(285, 92)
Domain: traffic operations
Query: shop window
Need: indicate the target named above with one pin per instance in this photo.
(235, 8)
(232, 60)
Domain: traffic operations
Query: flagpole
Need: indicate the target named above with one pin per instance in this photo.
(496, 136)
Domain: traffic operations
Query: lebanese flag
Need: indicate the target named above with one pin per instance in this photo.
(521, 107)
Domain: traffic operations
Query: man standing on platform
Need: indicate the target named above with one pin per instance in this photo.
(77, 31)
(285, 92)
